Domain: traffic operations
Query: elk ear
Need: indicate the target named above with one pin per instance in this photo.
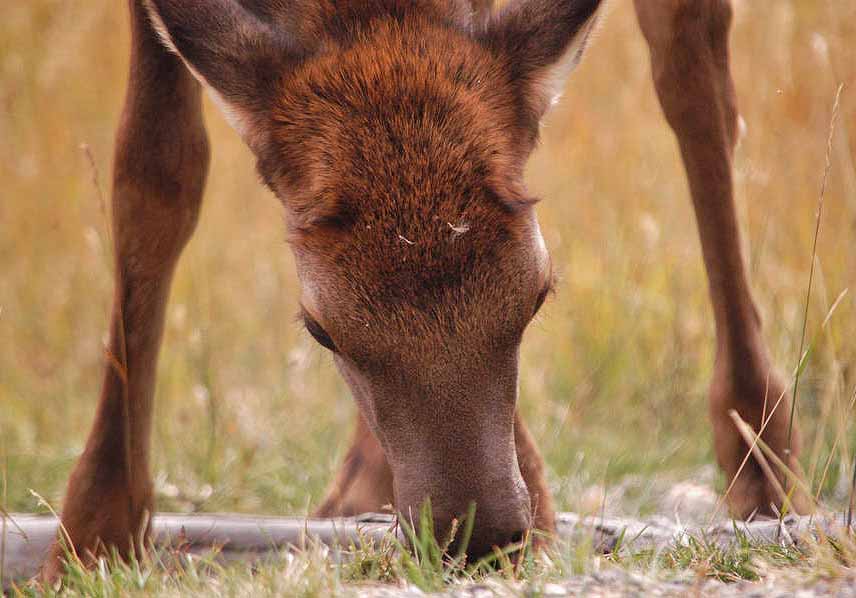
(235, 55)
(542, 40)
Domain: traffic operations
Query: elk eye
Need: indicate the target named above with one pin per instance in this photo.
(318, 333)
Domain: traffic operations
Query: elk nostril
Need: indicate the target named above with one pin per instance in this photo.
(517, 537)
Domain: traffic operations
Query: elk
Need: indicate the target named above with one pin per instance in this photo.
(382, 125)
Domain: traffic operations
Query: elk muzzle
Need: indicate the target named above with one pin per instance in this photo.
(502, 508)
(456, 463)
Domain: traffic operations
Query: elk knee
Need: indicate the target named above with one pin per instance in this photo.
(688, 40)
(685, 34)
(159, 179)
(662, 20)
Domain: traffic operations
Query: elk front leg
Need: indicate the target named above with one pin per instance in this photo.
(532, 469)
(160, 164)
(688, 40)
(364, 481)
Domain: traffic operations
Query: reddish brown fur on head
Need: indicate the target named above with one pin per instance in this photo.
(395, 132)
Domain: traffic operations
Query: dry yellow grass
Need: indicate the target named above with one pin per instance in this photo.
(250, 413)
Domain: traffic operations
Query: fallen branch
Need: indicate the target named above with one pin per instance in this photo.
(242, 537)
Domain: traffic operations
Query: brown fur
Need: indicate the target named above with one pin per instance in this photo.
(396, 132)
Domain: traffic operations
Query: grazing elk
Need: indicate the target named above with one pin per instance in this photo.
(395, 133)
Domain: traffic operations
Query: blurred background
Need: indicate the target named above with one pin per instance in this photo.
(251, 415)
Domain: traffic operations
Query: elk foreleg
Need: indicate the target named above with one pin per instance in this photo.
(364, 481)
(160, 165)
(688, 40)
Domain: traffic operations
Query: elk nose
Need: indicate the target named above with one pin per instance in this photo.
(500, 504)
(504, 529)
(507, 534)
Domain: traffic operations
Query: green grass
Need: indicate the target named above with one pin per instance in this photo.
(251, 415)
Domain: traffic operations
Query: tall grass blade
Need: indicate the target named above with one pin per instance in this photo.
(818, 215)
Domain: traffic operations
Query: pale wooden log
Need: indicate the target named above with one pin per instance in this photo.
(27, 537)
(659, 532)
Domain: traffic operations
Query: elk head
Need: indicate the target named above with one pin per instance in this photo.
(395, 133)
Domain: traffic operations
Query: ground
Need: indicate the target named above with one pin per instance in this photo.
(250, 414)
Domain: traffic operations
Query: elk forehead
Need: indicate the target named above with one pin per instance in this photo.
(401, 170)
(402, 97)
(422, 246)
(378, 284)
